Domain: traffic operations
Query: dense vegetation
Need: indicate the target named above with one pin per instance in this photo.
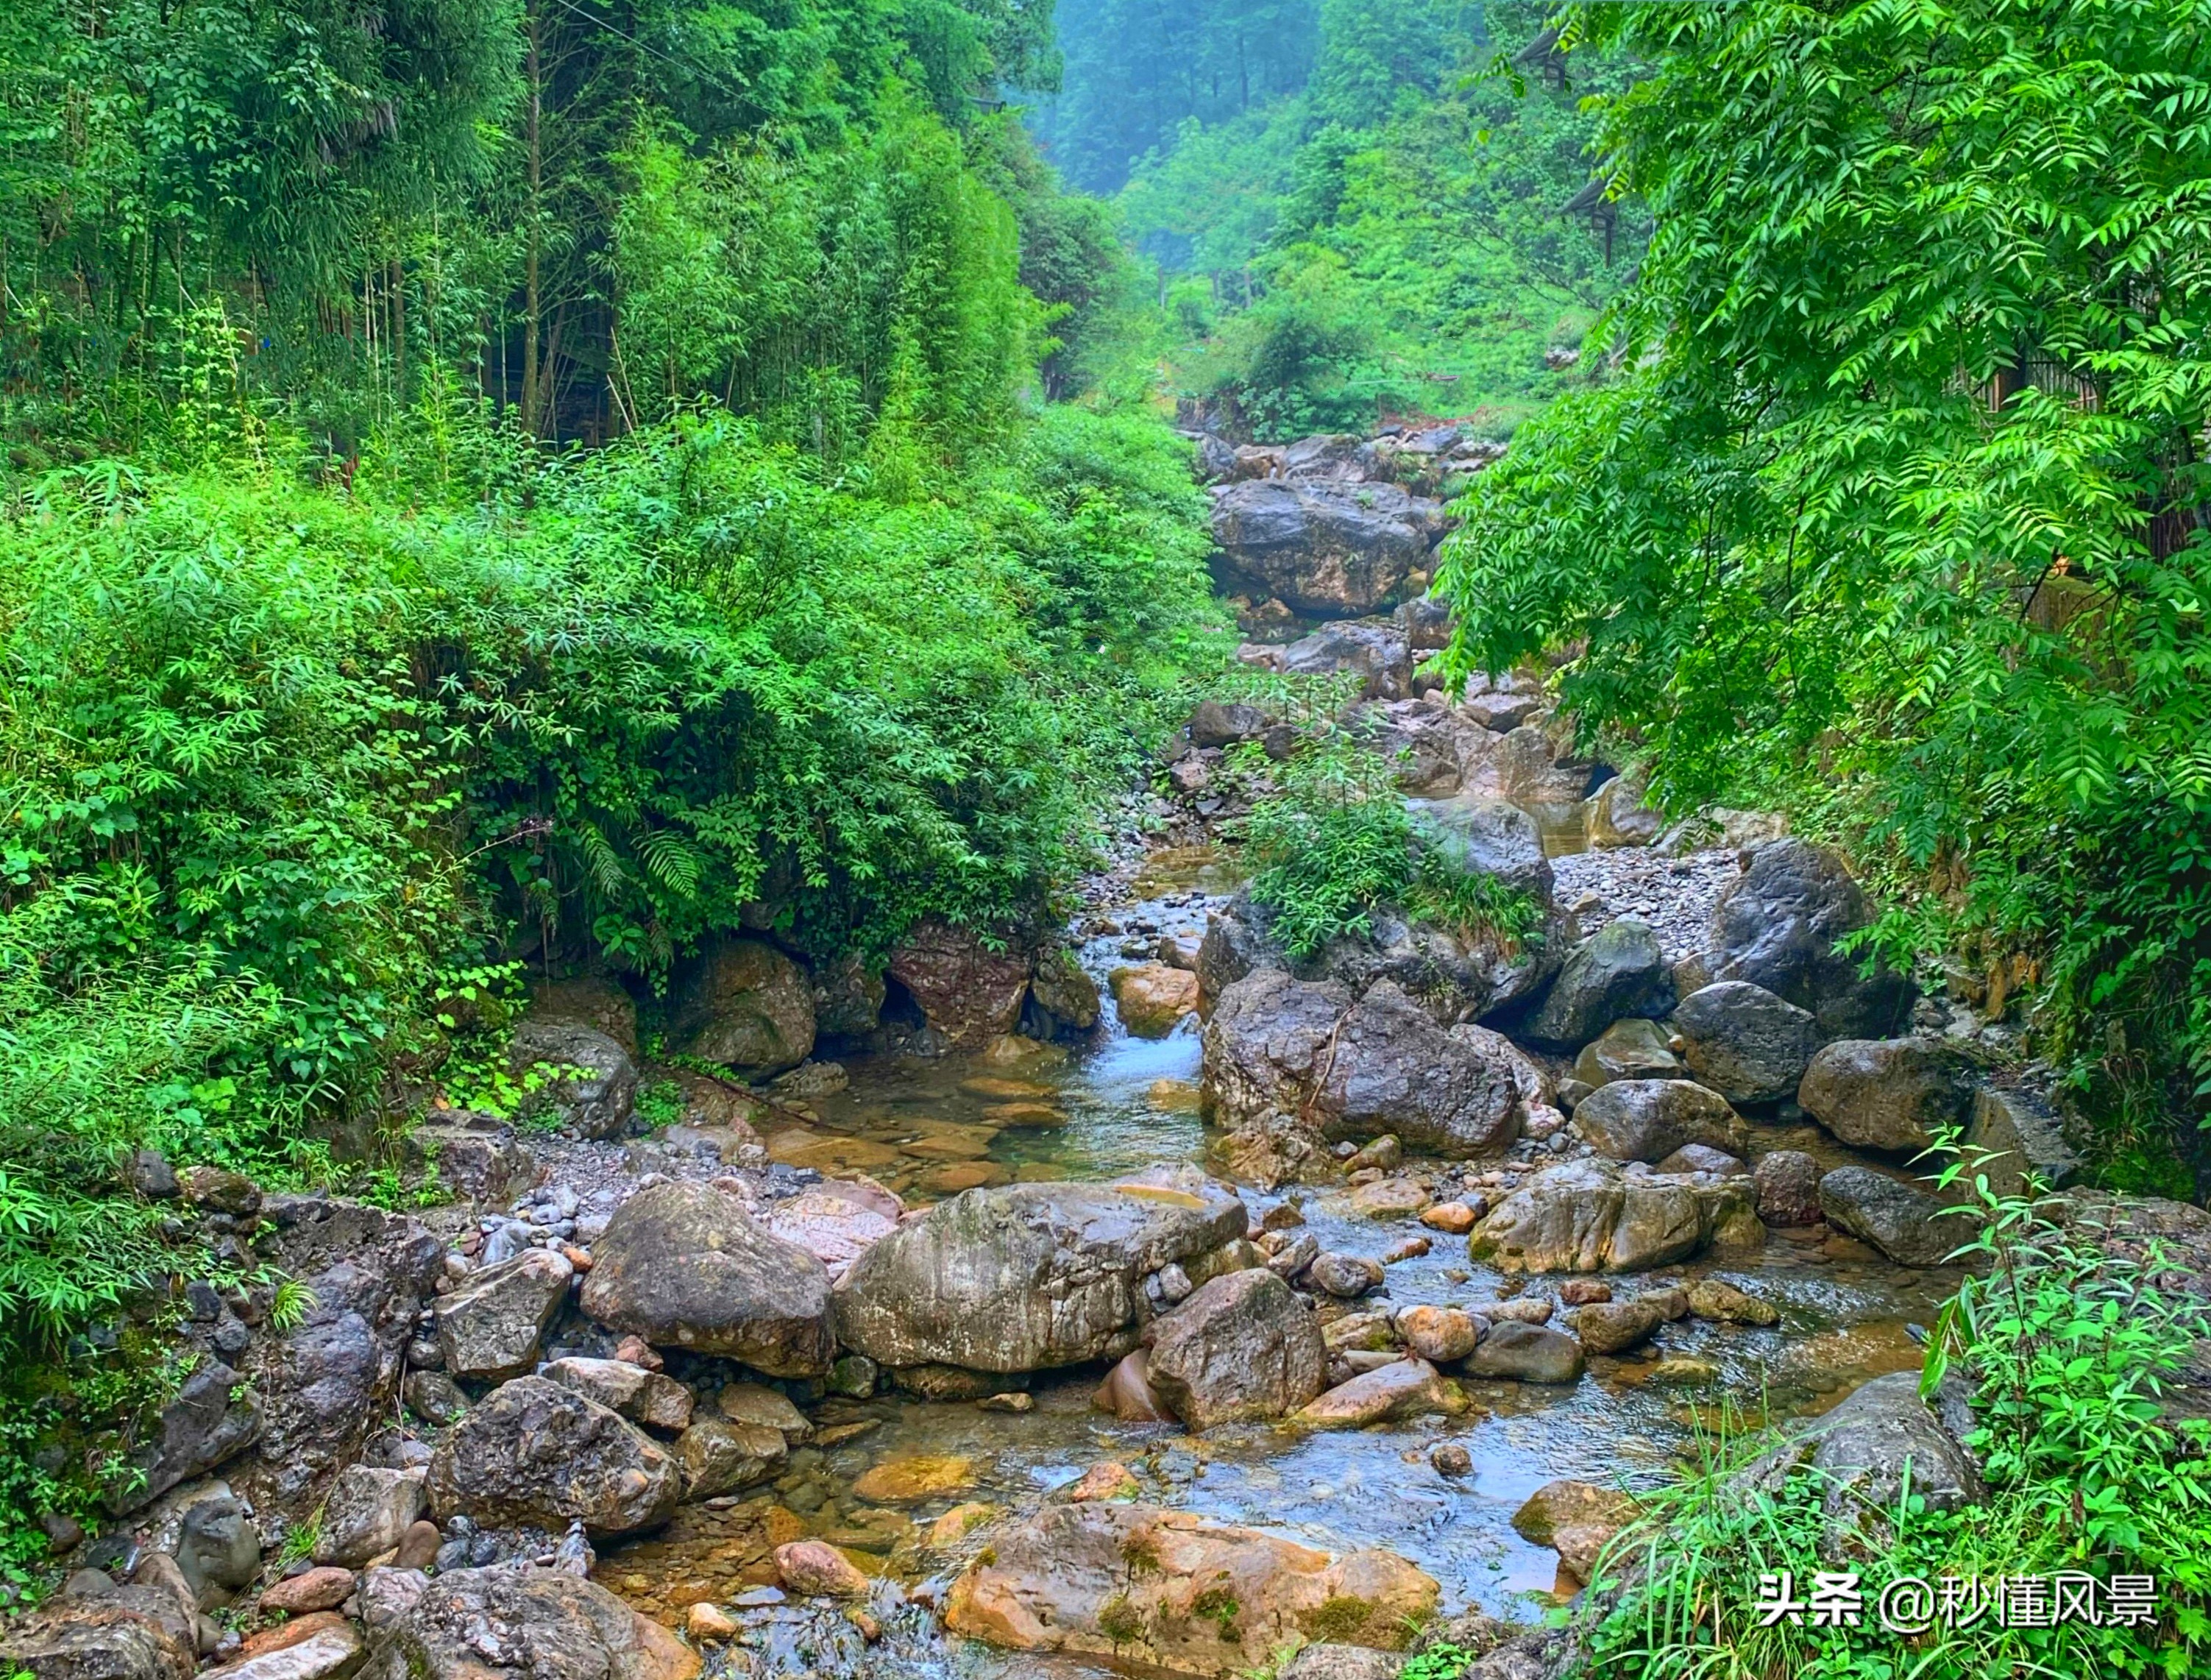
(1894, 520)
(1356, 208)
(508, 484)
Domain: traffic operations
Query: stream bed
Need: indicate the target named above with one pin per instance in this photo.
(881, 1470)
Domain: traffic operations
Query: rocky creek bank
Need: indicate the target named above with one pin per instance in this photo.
(1133, 1297)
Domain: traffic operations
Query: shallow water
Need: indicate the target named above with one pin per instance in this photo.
(1129, 1103)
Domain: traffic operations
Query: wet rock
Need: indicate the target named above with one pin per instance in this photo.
(1128, 1394)
(1485, 836)
(642, 1395)
(746, 1005)
(831, 1226)
(1224, 723)
(1617, 972)
(683, 1266)
(1582, 1292)
(386, 1596)
(1440, 1335)
(1520, 1309)
(756, 1404)
(1789, 1188)
(489, 1327)
(527, 1624)
(1452, 1218)
(1527, 1353)
(1346, 1277)
(533, 1453)
(1745, 1042)
(214, 1418)
(1105, 1480)
(1776, 927)
(1450, 1458)
(1585, 1217)
(957, 1524)
(1578, 1519)
(1402, 1388)
(217, 1548)
(598, 1093)
(1648, 1120)
(1614, 1326)
(1242, 1349)
(1067, 996)
(967, 992)
(1325, 551)
(902, 1481)
(144, 1631)
(815, 1569)
(1385, 1154)
(1212, 1597)
(1701, 1158)
(946, 1382)
(1904, 1222)
(1389, 1199)
(1026, 1277)
(434, 1397)
(1632, 1049)
(718, 1456)
(1893, 1094)
(1722, 1302)
(1153, 999)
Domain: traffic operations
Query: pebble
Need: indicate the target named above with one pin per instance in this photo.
(1450, 1458)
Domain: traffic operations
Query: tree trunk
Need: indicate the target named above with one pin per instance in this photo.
(531, 302)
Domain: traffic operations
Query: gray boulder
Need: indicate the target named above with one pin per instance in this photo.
(1323, 550)
(1481, 836)
(747, 1006)
(644, 1397)
(214, 1417)
(1526, 1353)
(1586, 1216)
(1343, 1662)
(1392, 1070)
(2015, 1133)
(1648, 1120)
(366, 1512)
(533, 1453)
(1632, 1049)
(683, 1266)
(1266, 1043)
(721, 1454)
(1882, 1440)
(217, 1548)
(1904, 1222)
(1789, 1188)
(1887, 1094)
(1745, 1042)
(1026, 1277)
(1224, 723)
(525, 1624)
(490, 1325)
(1777, 926)
(596, 1093)
(1243, 1348)
(147, 1630)
(1380, 659)
(1616, 972)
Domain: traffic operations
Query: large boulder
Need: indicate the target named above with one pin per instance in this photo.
(1648, 1120)
(967, 993)
(1587, 1216)
(1172, 1593)
(1392, 1070)
(597, 1001)
(1067, 997)
(139, 1632)
(1615, 815)
(1242, 1348)
(1152, 1000)
(747, 1006)
(683, 1266)
(1266, 1043)
(1777, 926)
(1908, 1224)
(490, 1325)
(1379, 658)
(588, 1079)
(214, 1417)
(834, 1227)
(525, 1624)
(1632, 1049)
(1618, 972)
(532, 1451)
(1322, 551)
(1526, 1353)
(1887, 1094)
(1026, 1277)
(1882, 1441)
(2014, 1135)
(1483, 836)
(366, 1514)
(1745, 1042)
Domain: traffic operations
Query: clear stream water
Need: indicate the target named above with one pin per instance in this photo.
(1129, 1103)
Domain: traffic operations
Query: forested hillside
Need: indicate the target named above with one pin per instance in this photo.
(1355, 210)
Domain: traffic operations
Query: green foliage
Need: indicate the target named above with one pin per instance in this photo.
(2067, 1349)
(1330, 840)
(1893, 522)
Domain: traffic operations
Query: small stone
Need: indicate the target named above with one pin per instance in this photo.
(324, 1588)
(1013, 1402)
(1438, 1334)
(706, 1623)
(1582, 1292)
(816, 1569)
(1104, 1480)
(418, 1546)
(1346, 1277)
(902, 1481)
(1523, 1309)
(1684, 1371)
(1282, 1216)
(1724, 1303)
(1614, 1326)
(1450, 1458)
(1452, 1218)
(957, 1524)
(1410, 1249)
